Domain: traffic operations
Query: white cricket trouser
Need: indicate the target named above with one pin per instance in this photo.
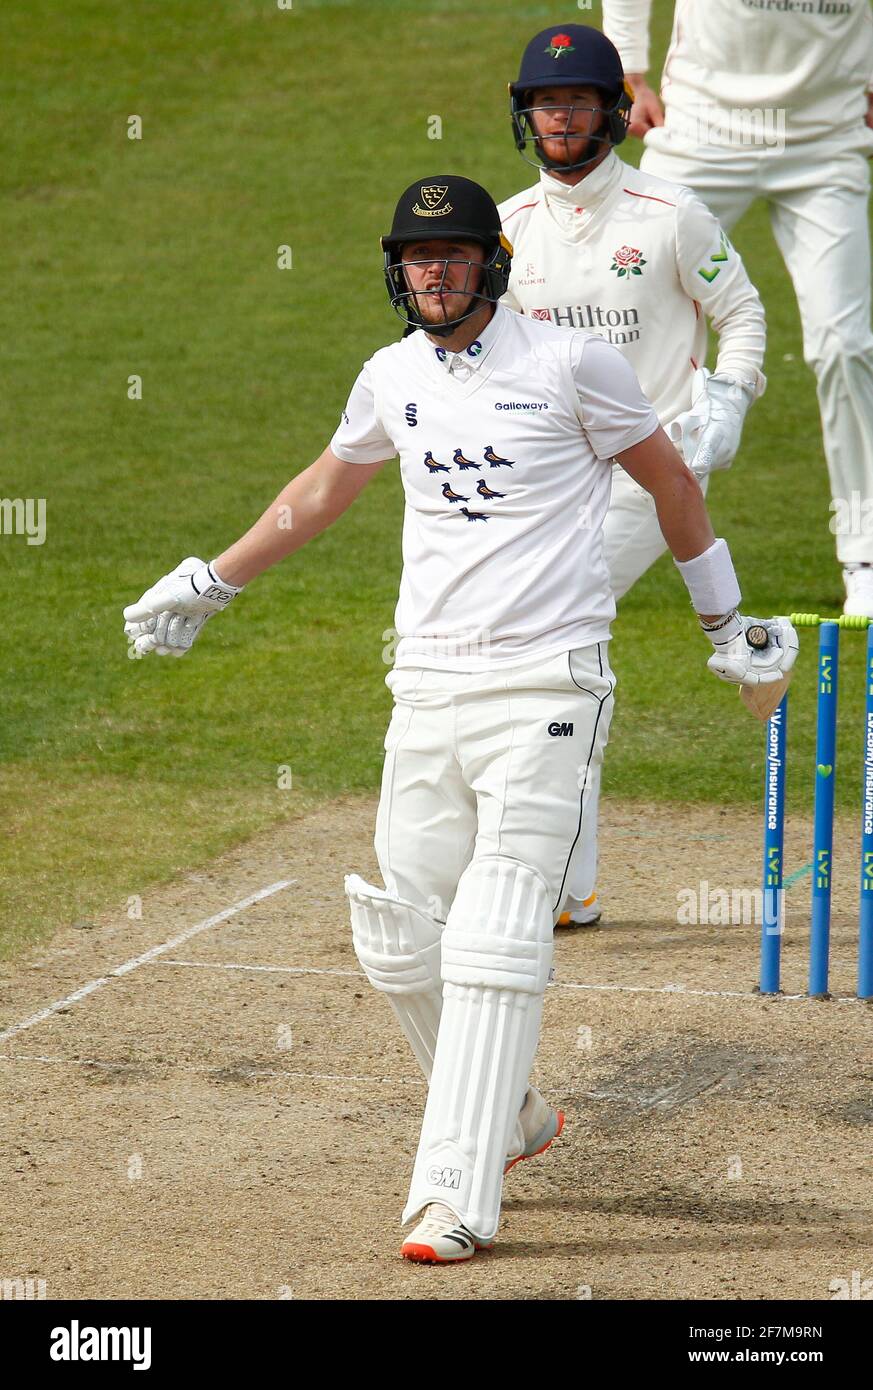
(491, 763)
(484, 785)
(818, 194)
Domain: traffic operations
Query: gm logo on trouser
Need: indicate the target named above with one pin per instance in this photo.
(494, 762)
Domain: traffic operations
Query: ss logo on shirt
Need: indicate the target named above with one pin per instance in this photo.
(410, 413)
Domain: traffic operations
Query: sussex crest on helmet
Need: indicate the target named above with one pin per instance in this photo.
(432, 195)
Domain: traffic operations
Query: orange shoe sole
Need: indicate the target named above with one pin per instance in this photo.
(542, 1148)
(425, 1254)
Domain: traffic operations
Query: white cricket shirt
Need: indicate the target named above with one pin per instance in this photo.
(811, 59)
(643, 263)
(505, 462)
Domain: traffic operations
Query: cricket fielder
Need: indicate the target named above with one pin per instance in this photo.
(505, 428)
(772, 99)
(643, 263)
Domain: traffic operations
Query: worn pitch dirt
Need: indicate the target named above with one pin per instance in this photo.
(193, 1131)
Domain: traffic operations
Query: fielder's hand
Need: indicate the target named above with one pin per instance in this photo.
(647, 110)
(708, 435)
(171, 613)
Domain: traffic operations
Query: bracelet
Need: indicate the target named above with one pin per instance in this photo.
(722, 622)
(725, 630)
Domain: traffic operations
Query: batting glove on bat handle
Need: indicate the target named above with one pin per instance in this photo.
(753, 651)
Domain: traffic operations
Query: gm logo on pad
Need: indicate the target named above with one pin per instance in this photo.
(444, 1177)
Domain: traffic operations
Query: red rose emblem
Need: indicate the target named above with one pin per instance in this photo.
(627, 260)
(558, 44)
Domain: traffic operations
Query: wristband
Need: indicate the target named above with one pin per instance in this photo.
(711, 580)
(208, 584)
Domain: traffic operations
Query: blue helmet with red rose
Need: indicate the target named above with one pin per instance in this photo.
(575, 56)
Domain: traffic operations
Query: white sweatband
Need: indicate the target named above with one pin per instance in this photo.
(711, 580)
(218, 589)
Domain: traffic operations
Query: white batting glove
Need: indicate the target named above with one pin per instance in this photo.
(752, 651)
(169, 615)
(708, 435)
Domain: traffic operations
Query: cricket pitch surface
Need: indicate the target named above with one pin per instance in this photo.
(210, 1101)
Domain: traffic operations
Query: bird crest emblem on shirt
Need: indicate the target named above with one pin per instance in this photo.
(627, 260)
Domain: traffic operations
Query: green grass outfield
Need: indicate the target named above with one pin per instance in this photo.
(157, 257)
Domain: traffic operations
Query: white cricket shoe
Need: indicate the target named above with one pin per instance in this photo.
(859, 592)
(538, 1124)
(439, 1238)
(585, 916)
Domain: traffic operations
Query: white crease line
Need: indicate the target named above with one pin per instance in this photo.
(710, 993)
(228, 1072)
(555, 984)
(145, 958)
(674, 989)
(268, 969)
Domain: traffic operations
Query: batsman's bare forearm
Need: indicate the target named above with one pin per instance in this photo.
(682, 514)
(679, 501)
(305, 507)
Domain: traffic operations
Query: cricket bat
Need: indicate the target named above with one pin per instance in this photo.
(762, 700)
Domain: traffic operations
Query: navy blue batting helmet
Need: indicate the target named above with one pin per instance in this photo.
(573, 56)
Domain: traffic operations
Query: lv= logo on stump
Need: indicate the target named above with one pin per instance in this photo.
(823, 820)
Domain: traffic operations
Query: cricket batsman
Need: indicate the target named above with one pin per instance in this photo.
(773, 100)
(505, 428)
(643, 263)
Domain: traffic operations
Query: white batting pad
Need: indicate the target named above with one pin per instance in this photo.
(496, 953)
(398, 946)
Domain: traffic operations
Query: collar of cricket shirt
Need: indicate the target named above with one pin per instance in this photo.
(463, 364)
(583, 197)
